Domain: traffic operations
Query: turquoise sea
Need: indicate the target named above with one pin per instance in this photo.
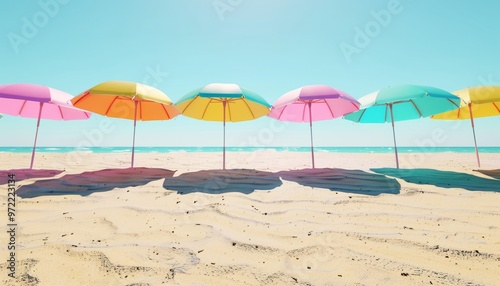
(251, 149)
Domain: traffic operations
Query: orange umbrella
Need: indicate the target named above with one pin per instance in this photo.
(127, 100)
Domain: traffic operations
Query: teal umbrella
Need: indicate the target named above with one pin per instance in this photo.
(404, 102)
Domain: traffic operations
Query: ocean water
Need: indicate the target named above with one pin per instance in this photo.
(250, 149)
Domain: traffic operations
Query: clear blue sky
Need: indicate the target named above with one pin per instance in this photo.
(268, 46)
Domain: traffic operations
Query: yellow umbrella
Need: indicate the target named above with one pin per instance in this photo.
(127, 100)
(479, 101)
(223, 102)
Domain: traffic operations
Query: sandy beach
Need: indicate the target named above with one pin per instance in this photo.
(176, 219)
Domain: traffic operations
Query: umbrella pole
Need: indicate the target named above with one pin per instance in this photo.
(224, 138)
(394, 137)
(311, 129)
(36, 135)
(133, 140)
(474, 133)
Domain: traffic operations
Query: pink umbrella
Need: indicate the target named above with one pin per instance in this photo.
(36, 101)
(312, 103)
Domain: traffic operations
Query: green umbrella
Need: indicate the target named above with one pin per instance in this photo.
(404, 102)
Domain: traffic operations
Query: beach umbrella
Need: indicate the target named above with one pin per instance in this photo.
(479, 101)
(312, 103)
(224, 102)
(37, 101)
(404, 102)
(127, 100)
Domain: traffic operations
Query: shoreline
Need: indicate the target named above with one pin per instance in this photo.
(208, 149)
(265, 160)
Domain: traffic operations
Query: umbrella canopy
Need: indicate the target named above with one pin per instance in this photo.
(312, 103)
(484, 101)
(127, 100)
(402, 102)
(223, 102)
(476, 102)
(37, 101)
